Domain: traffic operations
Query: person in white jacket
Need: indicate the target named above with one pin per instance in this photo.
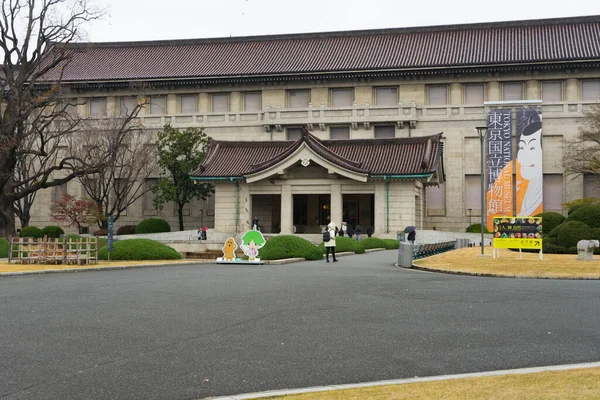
(330, 245)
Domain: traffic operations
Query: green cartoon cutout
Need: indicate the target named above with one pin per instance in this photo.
(251, 242)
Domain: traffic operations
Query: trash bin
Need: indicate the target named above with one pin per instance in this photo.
(400, 236)
(405, 255)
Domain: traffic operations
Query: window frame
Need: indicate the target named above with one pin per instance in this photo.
(429, 97)
(105, 106)
(244, 94)
(393, 126)
(562, 90)
(467, 85)
(346, 89)
(583, 81)
(377, 103)
(212, 102)
(188, 96)
(339, 127)
(152, 105)
(289, 95)
(521, 84)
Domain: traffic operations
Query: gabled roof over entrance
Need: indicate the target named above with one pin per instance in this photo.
(362, 159)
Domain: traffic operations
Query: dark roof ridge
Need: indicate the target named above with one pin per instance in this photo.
(349, 33)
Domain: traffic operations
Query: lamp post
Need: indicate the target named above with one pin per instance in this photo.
(470, 224)
(481, 131)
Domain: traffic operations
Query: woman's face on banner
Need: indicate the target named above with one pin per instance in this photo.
(530, 155)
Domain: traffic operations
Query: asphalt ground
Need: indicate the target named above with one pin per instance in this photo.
(191, 332)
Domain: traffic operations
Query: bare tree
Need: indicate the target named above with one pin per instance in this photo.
(120, 183)
(582, 154)
(34, 37)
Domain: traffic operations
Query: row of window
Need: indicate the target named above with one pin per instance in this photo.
(552, 91)
(343, 132)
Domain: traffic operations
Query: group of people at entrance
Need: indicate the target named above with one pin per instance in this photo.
(332, 231)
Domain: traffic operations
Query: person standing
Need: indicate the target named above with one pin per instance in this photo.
(255, 224)
(369, 230)
(330, 244)
(350, 232)
(358, 230)
(412, 235)
(344, 229)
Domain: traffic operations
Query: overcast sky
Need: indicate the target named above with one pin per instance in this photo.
(128, 20)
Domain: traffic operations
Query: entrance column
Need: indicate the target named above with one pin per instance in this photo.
(336, 205)
(287, 203)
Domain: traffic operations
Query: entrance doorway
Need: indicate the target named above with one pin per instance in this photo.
(267, 208)
(311, 212)
(359, 209)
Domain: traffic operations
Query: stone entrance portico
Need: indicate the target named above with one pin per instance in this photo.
(300, 186)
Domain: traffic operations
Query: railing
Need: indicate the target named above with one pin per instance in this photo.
(53, 251)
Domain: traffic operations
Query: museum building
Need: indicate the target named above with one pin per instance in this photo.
(376, 127)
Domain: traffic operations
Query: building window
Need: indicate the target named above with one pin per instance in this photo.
(340, 132)
(294, 133)
(341, 97)
(98, 107)
(188, 104)
(474, 94)
(385, 131)
(148, 197)
(552, 91)
(158, 105)
(512, 91)
(473, 194)
(386, 96)
(553, 192)
(59, 192)
(69, 106)
(298, 98)
(252, 101)
(437, 95)
(590, 90)
(219, 102)
(127, 105)
(591, 186)
(436, 200)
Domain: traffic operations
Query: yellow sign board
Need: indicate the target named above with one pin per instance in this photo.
(514, 243)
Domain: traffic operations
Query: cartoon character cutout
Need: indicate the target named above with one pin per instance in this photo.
(252, 241)
(229, 249)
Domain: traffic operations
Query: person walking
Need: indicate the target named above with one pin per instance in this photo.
(329, 244)
(344, 229)
(350, 232)
(412, 235)
(358, 230)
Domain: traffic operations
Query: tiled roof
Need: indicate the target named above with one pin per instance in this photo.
(398, 156)
(501, 43)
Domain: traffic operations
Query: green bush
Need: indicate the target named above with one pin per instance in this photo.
(139, 249)
(31, 231)
(589, 214)
(391, 244)
(3, 248)
(289, 246)
(53, 232)
(550, 220)
(373, 243)
(153, 225)
(575, 207)
(476, 228)
(569, 233)
(346, 244)
(550, 248)
(126, 230)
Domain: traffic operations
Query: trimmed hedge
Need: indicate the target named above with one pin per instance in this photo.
(53, 232)
(153, 225)
(569, 233)
(139, 249)
(126, 230)
(373, 243)
(289, 246)
(550, 220)
(575, 207)
(31, 231)
(391, 244)
(589, 214)
(3, 248)
(345, 244)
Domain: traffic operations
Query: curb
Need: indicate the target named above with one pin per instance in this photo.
(89, 269)
(518, 371)
(490, 275)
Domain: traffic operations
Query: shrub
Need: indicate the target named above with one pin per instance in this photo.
(550, 248)
(589, 214)
(101, 232)
(288, 246)
(391, 244)
(373, 243)
(139, 249)
(569, 233)
(126, 230)
(153, 225)
(31, 231)
(346, 244)
(476, 228)
(550, 220)
(3, 248)
(576, 204)
(52, 231)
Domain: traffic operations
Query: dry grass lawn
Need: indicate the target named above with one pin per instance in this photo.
(578, 384)
(553, 265)
(12, 267)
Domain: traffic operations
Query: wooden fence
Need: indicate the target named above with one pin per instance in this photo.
(53, 251)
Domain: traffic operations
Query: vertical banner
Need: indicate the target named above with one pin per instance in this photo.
(499, 167)
(530, 176)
